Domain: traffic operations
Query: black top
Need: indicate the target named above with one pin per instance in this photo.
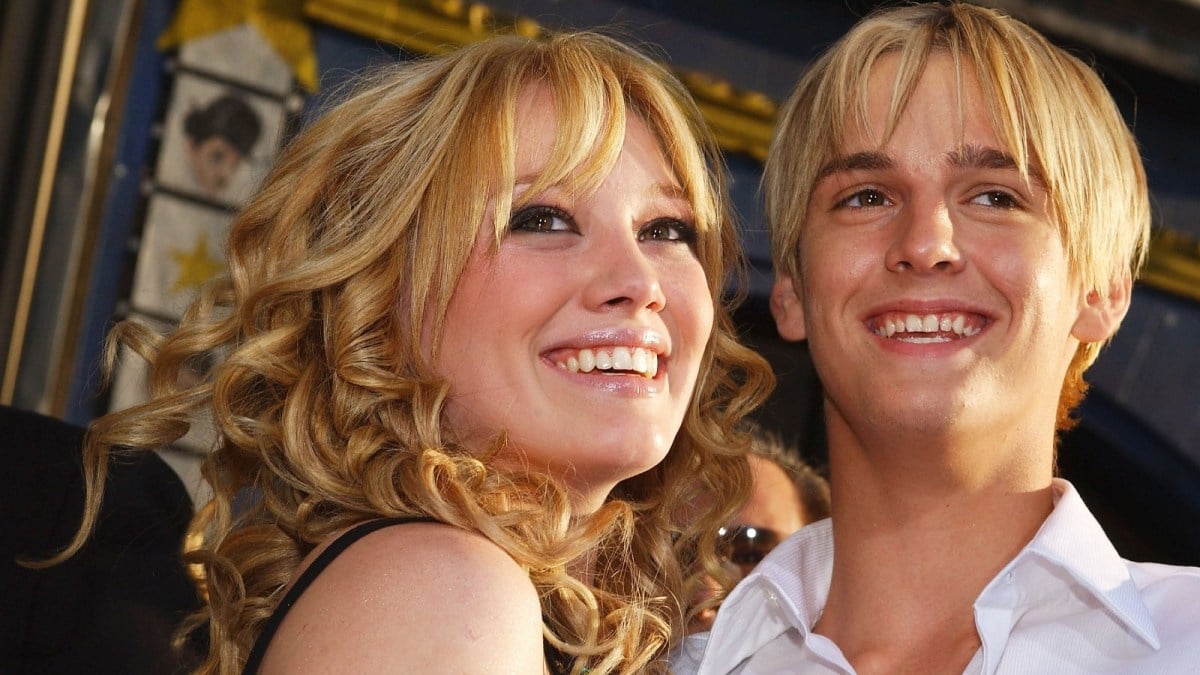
(113, 606)
(556, 661)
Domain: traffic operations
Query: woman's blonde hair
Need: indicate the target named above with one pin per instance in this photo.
(1049, 108)
(329, 413)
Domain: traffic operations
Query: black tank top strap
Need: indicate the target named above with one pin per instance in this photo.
(557, 663)
(310, 573)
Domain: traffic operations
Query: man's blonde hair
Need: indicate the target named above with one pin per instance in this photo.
(1050, 109)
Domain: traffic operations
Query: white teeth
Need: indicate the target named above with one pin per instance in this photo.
(604, 360)
(622, 359)
(929, 323)
(638, 360)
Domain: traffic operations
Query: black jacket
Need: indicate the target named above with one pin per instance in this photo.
(114, 606)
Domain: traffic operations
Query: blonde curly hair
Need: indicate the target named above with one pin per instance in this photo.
(327, 409)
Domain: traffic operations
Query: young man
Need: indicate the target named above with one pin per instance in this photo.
(957, 212)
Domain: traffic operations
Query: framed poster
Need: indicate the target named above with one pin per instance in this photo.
(218, 139)
(181, 248)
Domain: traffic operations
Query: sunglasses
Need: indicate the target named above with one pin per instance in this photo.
(746, 545)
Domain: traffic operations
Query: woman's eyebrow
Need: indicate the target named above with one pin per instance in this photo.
(670, 191)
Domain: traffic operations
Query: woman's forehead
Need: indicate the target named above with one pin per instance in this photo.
(535, 131)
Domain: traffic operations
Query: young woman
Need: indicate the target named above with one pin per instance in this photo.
(474, 364)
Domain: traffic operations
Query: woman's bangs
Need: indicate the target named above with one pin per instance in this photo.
(589, 112)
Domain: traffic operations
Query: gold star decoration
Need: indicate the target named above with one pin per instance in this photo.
(195, 266)
(280, 22)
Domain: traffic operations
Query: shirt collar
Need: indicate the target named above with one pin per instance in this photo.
(1072, 540)
(786, 590)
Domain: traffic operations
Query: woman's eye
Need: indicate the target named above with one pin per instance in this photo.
(541, 219)
(864, 199)
(996, 199)
(668, 229)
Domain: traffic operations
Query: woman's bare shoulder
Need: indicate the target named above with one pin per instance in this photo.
(417, 597)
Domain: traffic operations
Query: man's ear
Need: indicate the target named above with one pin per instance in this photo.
(787, 309)
(1102, 313)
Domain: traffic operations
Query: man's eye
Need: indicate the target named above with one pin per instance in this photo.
(541, 219)
(996, 199)
(864, 199)
(668, 229)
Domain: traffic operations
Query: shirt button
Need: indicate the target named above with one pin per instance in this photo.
(1008, 578)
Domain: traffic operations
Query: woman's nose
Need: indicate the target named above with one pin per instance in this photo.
(625, 275)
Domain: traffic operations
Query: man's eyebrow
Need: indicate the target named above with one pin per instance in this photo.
(859, 161)
(973, 156)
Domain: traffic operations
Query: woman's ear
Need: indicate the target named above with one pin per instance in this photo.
(1102, 313)
(787, 309)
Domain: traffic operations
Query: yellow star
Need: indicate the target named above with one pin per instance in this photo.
(279, 21)
(195, 266)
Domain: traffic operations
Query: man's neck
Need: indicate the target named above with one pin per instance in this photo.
(919, 530)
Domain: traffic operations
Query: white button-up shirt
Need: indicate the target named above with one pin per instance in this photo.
(1068, 604)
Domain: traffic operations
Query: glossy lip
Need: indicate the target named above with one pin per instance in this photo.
(921, 308)
(628, 385)
(645, 338)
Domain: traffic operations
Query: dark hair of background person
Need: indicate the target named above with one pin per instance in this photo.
(227, 116)
(811, 486)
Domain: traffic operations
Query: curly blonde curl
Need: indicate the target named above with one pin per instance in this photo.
(327, 409)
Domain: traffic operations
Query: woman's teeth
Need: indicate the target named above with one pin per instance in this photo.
(616, 360)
